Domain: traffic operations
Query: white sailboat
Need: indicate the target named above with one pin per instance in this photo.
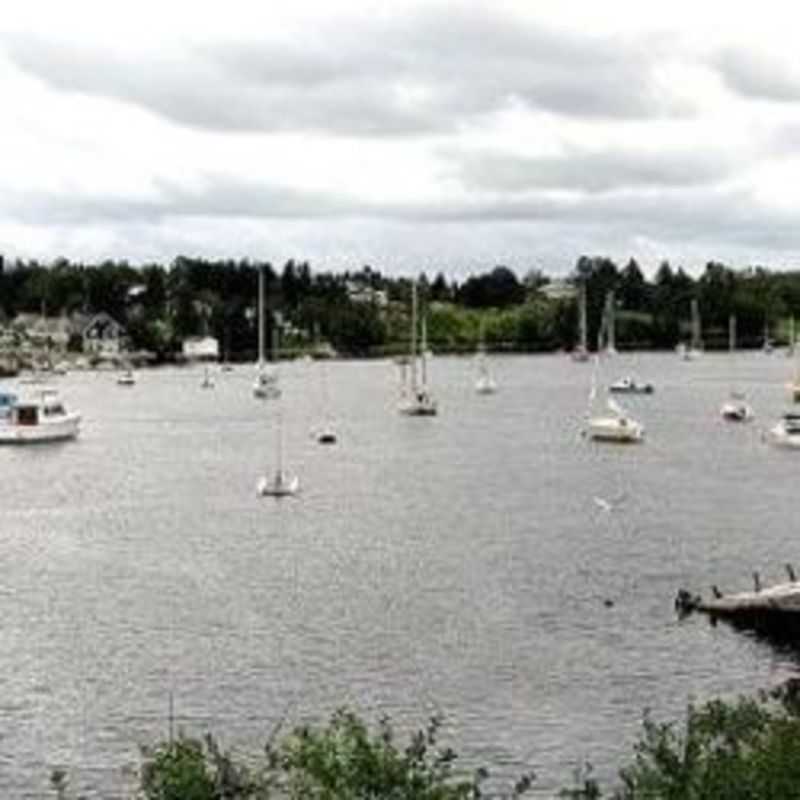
(416, 399)
(126, 377)
(615, 425)
(609, 326)
(208, 381)
(265, 386)
(735, 408)
(327, 433)
(695, 348)
(794, 384)
(581, 352)
(484, 383)
(282, 483)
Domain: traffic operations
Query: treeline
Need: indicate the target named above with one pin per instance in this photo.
(162, 305)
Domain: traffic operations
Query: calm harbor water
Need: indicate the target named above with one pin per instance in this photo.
(457, 564)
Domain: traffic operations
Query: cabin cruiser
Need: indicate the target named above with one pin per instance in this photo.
(41, 419)
(628, 385)
(616, 426)
(786, 433)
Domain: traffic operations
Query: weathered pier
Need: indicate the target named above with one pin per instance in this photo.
(773, 610)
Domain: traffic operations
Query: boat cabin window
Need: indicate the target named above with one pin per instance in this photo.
(53, 409)
(27, 415)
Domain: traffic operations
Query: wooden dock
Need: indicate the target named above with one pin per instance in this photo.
(773, 610)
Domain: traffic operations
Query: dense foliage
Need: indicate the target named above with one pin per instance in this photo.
(748, 749)
(160, 306)
(342, 760)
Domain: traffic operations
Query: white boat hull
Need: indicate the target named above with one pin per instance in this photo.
(736, 412)
(278, 486)
(485, 386)
(780, 437)
(51, 431)
(418, 408)
(614, 429)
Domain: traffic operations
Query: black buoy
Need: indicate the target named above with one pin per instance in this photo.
(757, 581)
(608, 602)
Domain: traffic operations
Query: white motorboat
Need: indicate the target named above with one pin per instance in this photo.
(736, 409)
(416, 400)
(126, 378)
(786, 433)
(40, 419)
(628, 385)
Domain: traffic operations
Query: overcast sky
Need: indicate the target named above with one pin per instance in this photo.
(405, 135)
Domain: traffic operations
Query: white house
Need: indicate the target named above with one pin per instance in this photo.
(202, 348)
(363, 293)
(103, 336)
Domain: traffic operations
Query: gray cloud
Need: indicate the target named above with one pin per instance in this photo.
(426, 72)
(684, 214)
(759, 75)
(588, 171)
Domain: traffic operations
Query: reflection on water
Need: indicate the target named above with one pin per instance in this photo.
(459, 563)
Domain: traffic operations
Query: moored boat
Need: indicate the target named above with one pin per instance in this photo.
(44, 418)
(628, 385)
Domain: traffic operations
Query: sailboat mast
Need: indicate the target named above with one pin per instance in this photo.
(413, 345)
(612, 334)
(424, 348)
(695, 325)
(261, 316)
(279, 421)
(583, 332)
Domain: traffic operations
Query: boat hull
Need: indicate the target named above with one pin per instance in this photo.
(56, 431)
(274, 487)
(615, 431)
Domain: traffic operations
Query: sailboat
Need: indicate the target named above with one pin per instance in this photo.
(326, 434)
(282, 483)
(416, 399)
(735, 408)
(485, 383)
(208, 381)
(616, 425)
(581, 352)
(265, 385)
(794, 385)
(126, 377)
(609, 325)
(767, 347)
(695, 348)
